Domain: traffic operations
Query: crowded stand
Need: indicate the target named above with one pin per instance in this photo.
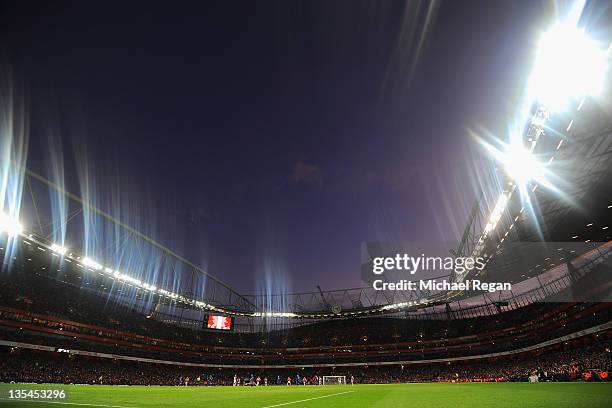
(51, 341)
(581, 363)
(78, 319)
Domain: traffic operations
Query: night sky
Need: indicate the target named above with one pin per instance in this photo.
(272, 138)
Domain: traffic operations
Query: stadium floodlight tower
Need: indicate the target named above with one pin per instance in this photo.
(568, 66)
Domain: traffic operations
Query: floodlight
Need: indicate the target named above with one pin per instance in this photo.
(274, 314)
(10, 225)
(498, 210)
(568, 65)
(58, 249)
(91, 263)
(521, 165)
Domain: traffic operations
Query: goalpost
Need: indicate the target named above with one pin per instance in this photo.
(334, 380)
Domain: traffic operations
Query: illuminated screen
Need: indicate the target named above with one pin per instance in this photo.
(219, 322)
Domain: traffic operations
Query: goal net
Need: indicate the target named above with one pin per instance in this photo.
(334, 380)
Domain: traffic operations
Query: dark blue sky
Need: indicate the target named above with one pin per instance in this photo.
(272, 138)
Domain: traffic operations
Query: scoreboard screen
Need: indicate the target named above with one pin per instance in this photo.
(216, 322)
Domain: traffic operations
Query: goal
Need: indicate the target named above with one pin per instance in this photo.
(334, 380)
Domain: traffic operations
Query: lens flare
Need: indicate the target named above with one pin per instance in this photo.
(522, 166)
(10, 225)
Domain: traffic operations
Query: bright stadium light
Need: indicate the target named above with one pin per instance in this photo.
(521, 165)
(58, 249)
(568, 65)
(274, 314)
(498, 210)
(10, 225)
(91, 264)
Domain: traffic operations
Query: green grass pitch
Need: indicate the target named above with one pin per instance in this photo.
(443, 395)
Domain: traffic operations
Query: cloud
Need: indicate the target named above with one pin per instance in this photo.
(305, 173)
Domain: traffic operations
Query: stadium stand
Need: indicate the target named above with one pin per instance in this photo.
(592, 363)
(60, 341)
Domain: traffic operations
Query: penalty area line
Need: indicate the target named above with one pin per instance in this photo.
(307, 399)
(63, 403)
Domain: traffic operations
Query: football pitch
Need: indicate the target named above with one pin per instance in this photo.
(441, 395)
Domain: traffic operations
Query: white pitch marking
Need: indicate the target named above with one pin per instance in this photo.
(307, 399)
(65, 403)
